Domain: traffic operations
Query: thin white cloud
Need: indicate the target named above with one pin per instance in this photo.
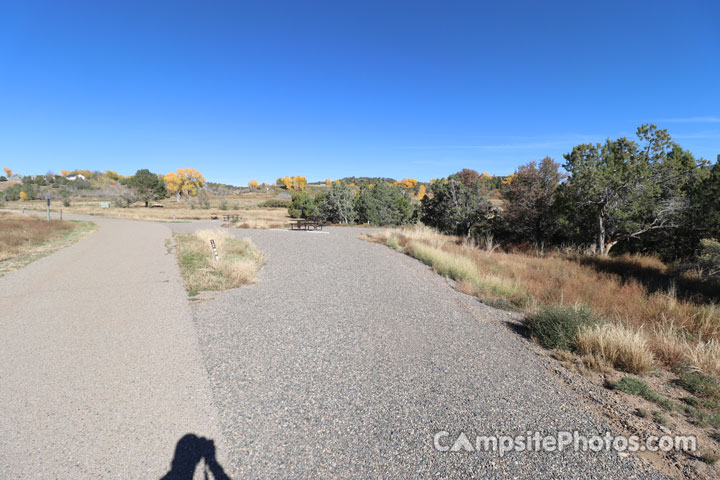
(691, 120)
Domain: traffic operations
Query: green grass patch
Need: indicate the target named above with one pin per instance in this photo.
(699, 384)
(635, 386)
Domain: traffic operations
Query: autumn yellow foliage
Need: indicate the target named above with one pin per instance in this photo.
(407, 183)
(24, 196)
(299, 183)
(422, 191)
(8, 172)
(253, 184)
(293, 183)
(184, 183)
(328, 182)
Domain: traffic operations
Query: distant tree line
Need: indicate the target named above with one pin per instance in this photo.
(375, 204)
(645, 195)
(625, 195)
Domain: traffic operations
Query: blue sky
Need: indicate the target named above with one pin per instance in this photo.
(255, 90)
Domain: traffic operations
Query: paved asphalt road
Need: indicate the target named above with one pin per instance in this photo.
(100, 370)
(342, 362)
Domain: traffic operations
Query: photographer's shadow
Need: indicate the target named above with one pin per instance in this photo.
(189, 452)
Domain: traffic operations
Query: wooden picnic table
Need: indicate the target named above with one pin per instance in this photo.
(230, 218)
(306, 224)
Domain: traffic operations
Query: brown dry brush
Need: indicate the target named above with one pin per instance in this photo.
(654, 313)
(22, 231)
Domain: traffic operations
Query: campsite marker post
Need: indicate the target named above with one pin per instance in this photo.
(212, 243)
(48, 209)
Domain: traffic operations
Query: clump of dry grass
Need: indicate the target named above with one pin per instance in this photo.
(638, 295)
(621, 347)
(261, 223)
(238, 264)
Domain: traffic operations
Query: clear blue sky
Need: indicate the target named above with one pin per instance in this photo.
(255, 90)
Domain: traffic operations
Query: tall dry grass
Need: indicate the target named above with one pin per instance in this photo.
(671, 317)
(238, 264)
(19, 233)
(622, 347)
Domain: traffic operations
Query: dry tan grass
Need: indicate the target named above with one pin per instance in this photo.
(622, 290)
(262, 223)
(239, 261)
(623, 348)
(24, 238)
(19, 233)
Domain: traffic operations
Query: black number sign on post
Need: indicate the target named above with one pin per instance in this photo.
(212, 243)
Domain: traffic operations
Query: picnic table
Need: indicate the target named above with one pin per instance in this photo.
(306, 224)
(231, 218)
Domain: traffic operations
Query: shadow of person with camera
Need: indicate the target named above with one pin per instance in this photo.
(189, 452)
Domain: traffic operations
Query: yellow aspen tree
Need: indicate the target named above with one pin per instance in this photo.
(184, 183)
(328, 182)
(8, 172)
(253, 184)
(407, 183)
(299, 183)
(422, 191)
(23, 196)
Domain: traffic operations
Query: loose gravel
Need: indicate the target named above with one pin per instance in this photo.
(347, 357)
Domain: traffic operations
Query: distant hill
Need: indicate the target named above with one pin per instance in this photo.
(367, 180)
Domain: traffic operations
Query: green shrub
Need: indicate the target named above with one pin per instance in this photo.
(557, 327)
(384, 204)
(709, 258)
(274, 203)
(304, 205)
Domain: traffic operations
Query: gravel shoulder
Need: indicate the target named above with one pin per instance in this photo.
(347, 357)
(100, 368)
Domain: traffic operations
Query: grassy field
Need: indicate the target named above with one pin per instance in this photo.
(25, 238)
(239, 261)
(646, 311)
(247, 207)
